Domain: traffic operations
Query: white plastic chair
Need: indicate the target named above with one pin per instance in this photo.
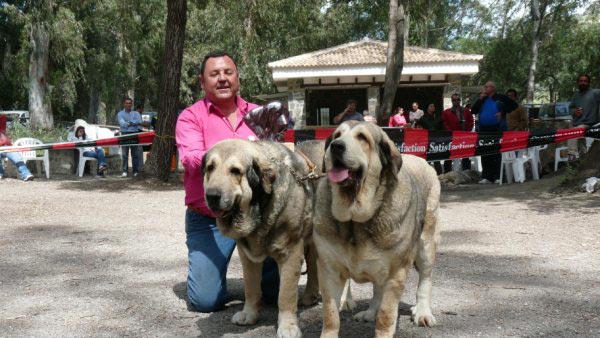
(82, 160)
(32, 154)
(558, 158)
(509, 162)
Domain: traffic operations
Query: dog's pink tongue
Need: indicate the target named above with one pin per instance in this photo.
(338, 175)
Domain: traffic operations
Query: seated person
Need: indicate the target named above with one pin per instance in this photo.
(14, 157)
(349, 113)
(95, 152)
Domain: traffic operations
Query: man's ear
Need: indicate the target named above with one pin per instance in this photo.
(201, 81)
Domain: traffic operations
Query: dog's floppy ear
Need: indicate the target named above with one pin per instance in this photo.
(390, 157)
(260, 176)
(327, 142)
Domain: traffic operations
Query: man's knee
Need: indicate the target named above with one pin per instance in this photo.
(205, 302)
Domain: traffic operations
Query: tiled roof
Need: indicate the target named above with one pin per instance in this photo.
(369, 52)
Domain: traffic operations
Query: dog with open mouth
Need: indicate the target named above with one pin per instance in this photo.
(263, 196)
(376, 215)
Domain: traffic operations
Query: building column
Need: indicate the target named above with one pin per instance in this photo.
(454, 86)
(373, 100)
(296, 102)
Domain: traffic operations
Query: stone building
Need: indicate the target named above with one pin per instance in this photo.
(318, 84)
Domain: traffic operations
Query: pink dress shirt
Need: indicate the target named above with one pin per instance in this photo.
(198, 128)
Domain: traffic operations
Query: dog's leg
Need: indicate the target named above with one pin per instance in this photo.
(369, 314)
(311, 292)
(421, 313)
(346, 301)
(289, 271)
(332, 286)
(252, 278)
(385, 323)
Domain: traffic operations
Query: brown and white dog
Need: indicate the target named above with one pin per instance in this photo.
(263, 203)
(375, 216)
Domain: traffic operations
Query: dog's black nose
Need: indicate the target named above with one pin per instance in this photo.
(337, 147)
(213, 198)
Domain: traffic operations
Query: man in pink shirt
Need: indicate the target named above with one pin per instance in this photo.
(217, 117)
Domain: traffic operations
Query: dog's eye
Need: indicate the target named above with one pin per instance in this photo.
(336, 135)
(210, 168)
(235, 171)
(362, 137)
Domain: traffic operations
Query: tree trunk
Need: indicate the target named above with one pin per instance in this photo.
(395, 58)
(39, 101)
(535, 43)
(163, 147)
(93, 106)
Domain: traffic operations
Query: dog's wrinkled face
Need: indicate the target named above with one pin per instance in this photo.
(357, 157)
(234, 180)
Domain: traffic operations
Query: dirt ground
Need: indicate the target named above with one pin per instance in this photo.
(107, 258)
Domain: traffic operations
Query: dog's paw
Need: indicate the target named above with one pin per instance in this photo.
(365, 316)
(245, 318)
(348, 304)
(310, 298)
(422, 316)
(289, 331)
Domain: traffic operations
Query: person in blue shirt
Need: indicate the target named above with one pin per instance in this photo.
(492, 108)
(130, 122)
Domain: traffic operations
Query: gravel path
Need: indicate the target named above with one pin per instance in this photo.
(106, 258)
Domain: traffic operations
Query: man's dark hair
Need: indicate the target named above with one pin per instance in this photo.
(351, 101)
(215, 54)
(127, 98)
(584, 75)
(139, 106)
(514, 91)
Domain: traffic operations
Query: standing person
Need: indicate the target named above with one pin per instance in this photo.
(217, 117)
(397, 120)
(492, 109)
(349, 113)
(517, 119)
(585, 109)
(95, 152)
(14, 157)
(457, 118)
(414, 114)
(129, 123)
(431, 122)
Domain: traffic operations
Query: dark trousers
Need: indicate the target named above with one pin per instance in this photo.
(465, 164)
(490, 164)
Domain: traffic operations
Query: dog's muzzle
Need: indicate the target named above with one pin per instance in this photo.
(216, 201)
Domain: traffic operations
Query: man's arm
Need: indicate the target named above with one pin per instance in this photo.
(338, 118)
(190, 140)
(122, 122)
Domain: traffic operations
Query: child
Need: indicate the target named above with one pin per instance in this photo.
(95, 152)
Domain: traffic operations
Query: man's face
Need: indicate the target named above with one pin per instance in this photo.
(220, 79)
(489, 89)
(415, 106)
(352, 106)
(512, 96)
(455, 101)
(583, 83)
(127, 104)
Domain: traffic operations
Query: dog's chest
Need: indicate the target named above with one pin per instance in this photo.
(363, 263)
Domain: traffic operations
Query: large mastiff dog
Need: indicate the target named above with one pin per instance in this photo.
(377, 214)
(263, 196)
